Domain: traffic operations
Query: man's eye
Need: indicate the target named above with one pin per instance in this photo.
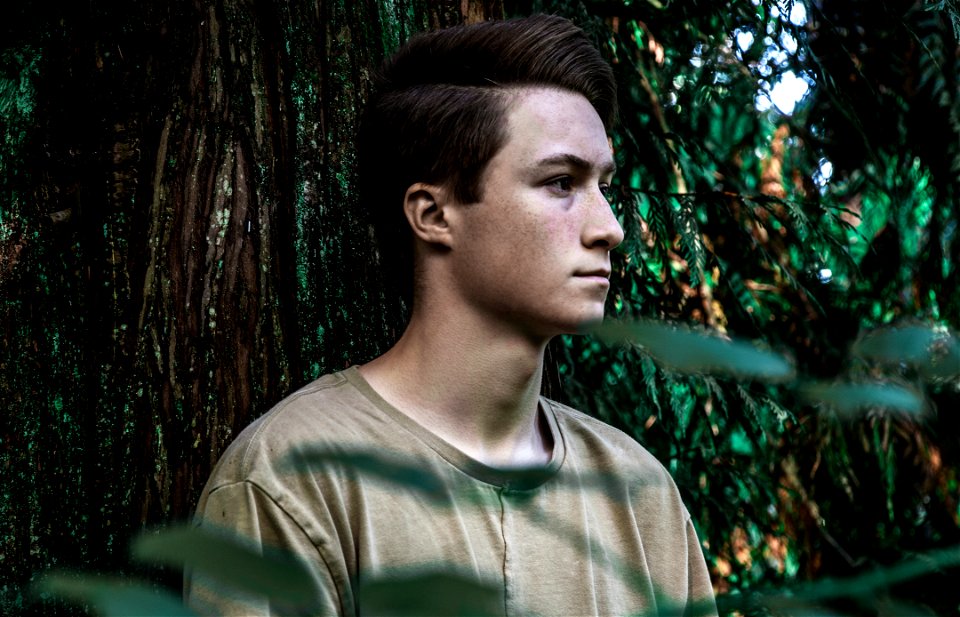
(608, 192)
(563, 184)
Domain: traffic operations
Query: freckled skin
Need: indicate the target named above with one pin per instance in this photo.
(499, 278)
(542, 221)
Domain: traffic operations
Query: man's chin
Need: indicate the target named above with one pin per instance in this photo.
(586, 326)
(571, 324)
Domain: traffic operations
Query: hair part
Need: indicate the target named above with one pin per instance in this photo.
(438, 112)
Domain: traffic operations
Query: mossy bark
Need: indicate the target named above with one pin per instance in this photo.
(181, 247)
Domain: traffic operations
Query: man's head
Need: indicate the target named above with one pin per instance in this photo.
(439, 108)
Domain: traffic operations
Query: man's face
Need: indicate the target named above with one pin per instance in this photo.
(535, 255)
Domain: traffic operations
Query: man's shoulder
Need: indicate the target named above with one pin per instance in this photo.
(614, 458)
(328, 411)
(591, 437)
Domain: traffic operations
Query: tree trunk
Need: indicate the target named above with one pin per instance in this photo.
(181, 247)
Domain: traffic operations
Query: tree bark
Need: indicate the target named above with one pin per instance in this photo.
(181, 248)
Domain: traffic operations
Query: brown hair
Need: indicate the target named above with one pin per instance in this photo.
(438, 109)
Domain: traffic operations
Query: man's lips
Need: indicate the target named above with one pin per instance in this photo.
(599, 273)
(600, 278)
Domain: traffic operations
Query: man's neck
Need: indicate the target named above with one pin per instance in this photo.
(475, 386)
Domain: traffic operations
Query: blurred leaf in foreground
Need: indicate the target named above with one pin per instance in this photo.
(433, 593)
(850, 398)
(935, 353)
(869, 588)
(112, 596)
(403, 472)
(228, 559)
(390, 469)
(685, 350)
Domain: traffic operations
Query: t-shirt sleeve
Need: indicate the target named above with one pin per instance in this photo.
(701, 602)
(245, 509)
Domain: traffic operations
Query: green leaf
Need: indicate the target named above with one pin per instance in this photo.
(687, 351)
(112, 596)
(934, 353)
(231, 560)
(406, 473)
(869, 583)
(432, 593)
(384, 467)
(870, 587)
(848, 398)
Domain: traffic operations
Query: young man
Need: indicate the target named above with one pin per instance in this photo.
(487, 163)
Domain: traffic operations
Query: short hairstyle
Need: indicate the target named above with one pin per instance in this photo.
(437, 113)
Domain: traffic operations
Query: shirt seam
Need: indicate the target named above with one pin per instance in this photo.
(320, 552)
(274, 413)
(503, 536)
(457, 465)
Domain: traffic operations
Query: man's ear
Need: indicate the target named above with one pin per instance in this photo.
(426, 207)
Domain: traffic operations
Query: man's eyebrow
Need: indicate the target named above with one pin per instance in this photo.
(572, 160)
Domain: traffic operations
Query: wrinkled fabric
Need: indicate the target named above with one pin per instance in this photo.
(360, 492)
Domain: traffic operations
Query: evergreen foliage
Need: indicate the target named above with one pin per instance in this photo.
(803, 230)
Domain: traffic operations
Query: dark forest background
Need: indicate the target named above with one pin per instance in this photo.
(181, 246)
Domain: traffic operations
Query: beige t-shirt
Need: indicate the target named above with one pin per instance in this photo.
(600, 530)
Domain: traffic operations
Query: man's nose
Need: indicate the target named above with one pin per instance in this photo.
(602, 227)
